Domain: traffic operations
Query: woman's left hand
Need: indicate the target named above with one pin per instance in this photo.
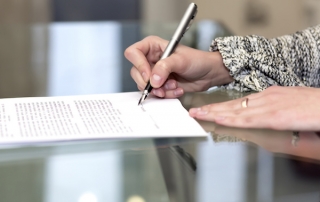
(278, 108)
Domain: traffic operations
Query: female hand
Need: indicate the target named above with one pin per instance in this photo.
(279, 108)
(186, 70)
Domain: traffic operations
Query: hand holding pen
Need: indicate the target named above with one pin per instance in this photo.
(184, 25)
(186, 70)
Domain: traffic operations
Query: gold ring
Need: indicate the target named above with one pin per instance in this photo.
(244, 103)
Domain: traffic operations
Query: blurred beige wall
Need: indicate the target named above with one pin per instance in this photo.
(163, 10)
(23, 43)
(269, 18)
(24, 11)
(262, 17)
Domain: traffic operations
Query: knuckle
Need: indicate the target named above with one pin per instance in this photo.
(238, 111)
(141, 67)
(152, 38)
(248, 121)
(128, 52)
(164, 66)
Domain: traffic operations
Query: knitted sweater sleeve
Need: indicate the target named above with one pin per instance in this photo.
(256, 63)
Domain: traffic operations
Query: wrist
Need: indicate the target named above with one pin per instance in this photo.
(220, 73)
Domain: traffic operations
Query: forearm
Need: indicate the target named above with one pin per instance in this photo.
(257, 63)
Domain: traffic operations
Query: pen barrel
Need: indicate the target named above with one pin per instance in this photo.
(170, 49)
(149, 87)
(185, 22)
(172, 45)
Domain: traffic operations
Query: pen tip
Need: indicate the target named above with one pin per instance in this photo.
(143, 97)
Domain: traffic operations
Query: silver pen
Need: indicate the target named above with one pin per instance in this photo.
(183, 27)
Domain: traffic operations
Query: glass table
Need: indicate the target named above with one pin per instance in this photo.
(232, 165)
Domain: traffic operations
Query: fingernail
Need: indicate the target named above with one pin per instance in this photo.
(145, 77)
(193, 111)
(170, 86)
(202, 112)
(156, 78)
(178, 92)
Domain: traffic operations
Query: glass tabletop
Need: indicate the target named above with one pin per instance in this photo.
(77, 58)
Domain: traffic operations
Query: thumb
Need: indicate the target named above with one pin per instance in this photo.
(163, 68)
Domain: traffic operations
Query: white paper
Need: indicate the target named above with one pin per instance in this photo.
(44, 119)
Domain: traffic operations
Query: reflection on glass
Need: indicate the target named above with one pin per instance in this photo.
(214, 161)
(88, 197)
(84, 177)
(135, 199)
(279, 142)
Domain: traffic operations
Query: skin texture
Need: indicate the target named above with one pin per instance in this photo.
(279, 108)
(191, 70)
(186, 70)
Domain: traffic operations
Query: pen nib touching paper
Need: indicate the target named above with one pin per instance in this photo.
(143, 97)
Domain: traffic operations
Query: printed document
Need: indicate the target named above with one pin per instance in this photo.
(43, 119)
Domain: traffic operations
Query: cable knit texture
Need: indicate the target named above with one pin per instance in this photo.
(256, 62)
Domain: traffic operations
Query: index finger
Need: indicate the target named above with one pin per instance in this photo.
(145, 52)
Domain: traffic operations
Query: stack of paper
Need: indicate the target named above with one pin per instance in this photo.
(93, 116)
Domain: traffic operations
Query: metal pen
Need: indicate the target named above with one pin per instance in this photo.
(183, 27)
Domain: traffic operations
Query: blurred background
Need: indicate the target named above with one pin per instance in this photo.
(40, 39)
(68, 47)
(265, 17)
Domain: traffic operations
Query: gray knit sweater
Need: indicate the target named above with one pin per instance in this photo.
(257, 63)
